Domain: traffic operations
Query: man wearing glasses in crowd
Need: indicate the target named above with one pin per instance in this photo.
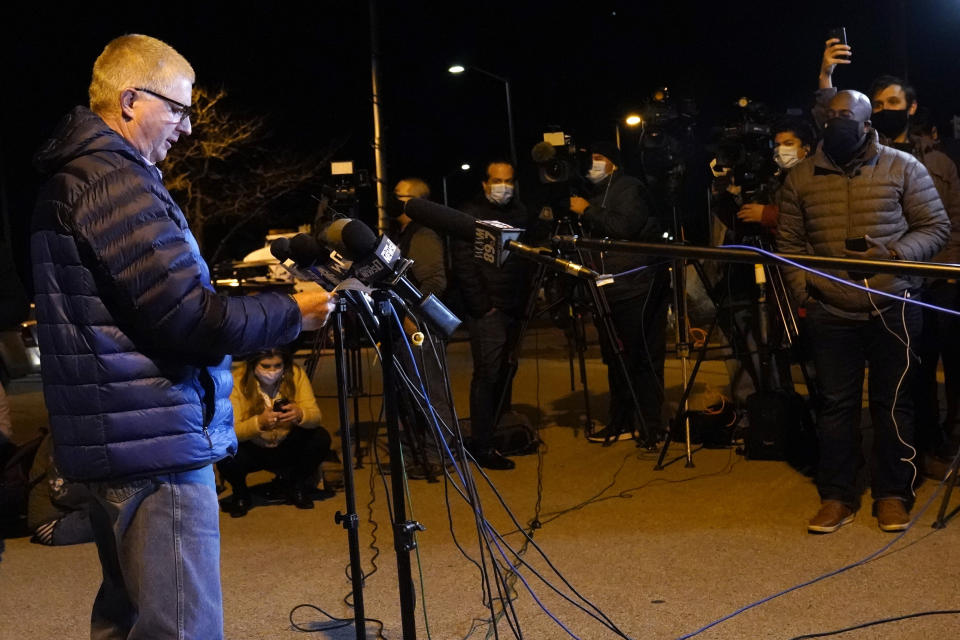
(135, 343)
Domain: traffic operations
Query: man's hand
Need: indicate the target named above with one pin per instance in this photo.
(751, 213)
(315, 307)
(578, 205)
(834, 53)
(876, 250)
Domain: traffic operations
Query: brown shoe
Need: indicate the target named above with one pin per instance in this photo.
(833, 514)
(891, 514)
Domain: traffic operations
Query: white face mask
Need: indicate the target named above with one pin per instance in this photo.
(500, 193)
(785, 156)
(598, 171)
(268, 378)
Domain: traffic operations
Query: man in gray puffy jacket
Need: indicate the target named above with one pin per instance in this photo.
(855, 191)
(135, 345)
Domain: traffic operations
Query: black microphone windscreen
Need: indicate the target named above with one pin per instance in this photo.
(304, 249)
(280, 248)
(543, 152)
(358, 240)
(440, 218)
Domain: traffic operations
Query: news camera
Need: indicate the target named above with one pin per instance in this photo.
(743, 152)
(560, 167)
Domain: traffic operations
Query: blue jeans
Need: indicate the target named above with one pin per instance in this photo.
(159, 545)
(840, 349)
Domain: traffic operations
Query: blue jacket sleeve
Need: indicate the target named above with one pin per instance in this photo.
(145, 254)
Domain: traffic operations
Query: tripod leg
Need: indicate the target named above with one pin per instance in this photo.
(951, 482)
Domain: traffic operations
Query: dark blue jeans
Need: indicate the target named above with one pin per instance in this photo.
(841, 347)
(491, 337)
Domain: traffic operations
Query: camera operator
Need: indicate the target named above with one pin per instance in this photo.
(793, 138)
(619, 208)
(854, 192)
(751, 212)
(895, 109)
(494, 298)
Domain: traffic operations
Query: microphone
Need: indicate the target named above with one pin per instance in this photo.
(373, 259)
(379, 260)
(492, 240)
(304, 258)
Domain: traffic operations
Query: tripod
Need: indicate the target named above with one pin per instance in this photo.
(600, 308)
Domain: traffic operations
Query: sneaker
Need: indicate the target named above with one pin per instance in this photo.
(891, 514)
(493, 459)
(610, 434)
(833, 514)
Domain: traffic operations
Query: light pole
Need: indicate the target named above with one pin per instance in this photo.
(458, 69)
(463, 167)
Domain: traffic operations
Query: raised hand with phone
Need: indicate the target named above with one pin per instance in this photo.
(836, 51)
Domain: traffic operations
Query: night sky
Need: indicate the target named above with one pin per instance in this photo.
(307, 67)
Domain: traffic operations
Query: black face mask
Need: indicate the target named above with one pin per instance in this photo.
(890, 122)
(842, 138)
(394, 207)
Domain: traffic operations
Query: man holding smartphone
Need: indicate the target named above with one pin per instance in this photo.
(857, 198)
(895, 117)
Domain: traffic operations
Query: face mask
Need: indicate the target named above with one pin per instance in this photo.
(890, 122)
(394, 207)
(598, 171)
(268, 378)
(785, 156)
(500, 194)
(842, 138)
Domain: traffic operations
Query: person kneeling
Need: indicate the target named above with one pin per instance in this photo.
(277, 422)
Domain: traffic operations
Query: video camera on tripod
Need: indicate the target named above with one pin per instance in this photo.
(560, 167)
(744, 153)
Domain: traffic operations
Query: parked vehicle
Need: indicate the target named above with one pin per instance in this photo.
(19, 353)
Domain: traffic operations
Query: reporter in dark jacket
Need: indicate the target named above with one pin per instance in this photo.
(495, 298)
(134, 345)
(620, 209)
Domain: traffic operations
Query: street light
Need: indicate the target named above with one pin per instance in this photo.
(631, 120)
(463, 167)
(457, 69)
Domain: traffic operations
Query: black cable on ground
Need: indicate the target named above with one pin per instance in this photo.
(872, 623)
(334, 623)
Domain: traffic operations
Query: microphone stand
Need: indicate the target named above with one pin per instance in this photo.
(350, 519)
(404, 540)
(403, 529)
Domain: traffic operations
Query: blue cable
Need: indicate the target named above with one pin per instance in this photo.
(494, 538)
(821, 577)
(835, 278)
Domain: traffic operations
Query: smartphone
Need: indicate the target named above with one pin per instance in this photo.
(840, 33)
(280, 403)
(856, 244)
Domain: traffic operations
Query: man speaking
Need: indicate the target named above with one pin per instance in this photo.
(134, 345)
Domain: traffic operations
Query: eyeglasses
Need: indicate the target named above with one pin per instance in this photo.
(179, 110)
